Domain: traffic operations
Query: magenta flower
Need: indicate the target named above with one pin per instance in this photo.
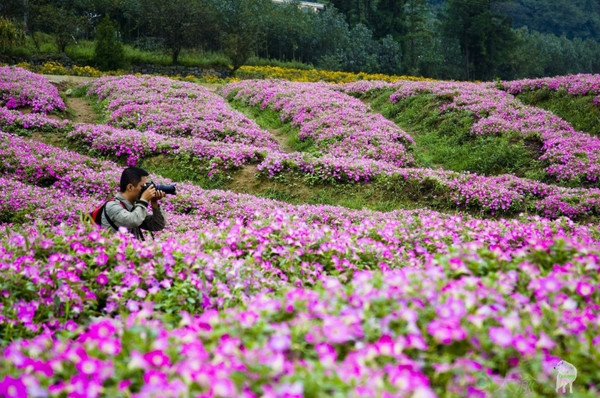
(155, 377)
(584, 289)
(157, 358)
(102, 278)
(101, 259)
(523, 345)
(12, 388)
(102, 330)
(279, 342)
(501, 336)
(223, 388)
(336, 331)
(110, 346)
(89, 366)
(326, 352)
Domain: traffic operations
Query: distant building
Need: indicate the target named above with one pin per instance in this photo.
(316, 7)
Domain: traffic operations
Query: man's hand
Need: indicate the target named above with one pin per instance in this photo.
(149, 194)
(158, 195)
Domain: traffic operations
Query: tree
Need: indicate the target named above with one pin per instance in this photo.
(176, 22)
(485, 37)
(330, 33)
(390, 56)
(361, 51)
(64, 24)
(108, 50)
(242, 27)
(10, 35)
(417, 35)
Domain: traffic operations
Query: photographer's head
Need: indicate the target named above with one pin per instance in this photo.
(132, 181)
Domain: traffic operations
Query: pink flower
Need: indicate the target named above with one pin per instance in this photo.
(102, 278)
(584, 289)
(110, 346)
(523, 345)
(501, 336)
(124, 384)
(155, 377)
(336, 331)
(445, 331)
(326, 352)
(12, 388)
(223, 388)
(248, 318)
(157, 358)
(101, 330)
(101, 259)
(89, 366)
(279, 342)
(550, 284)
(416, 341)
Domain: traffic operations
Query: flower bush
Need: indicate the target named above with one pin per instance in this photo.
(579, 84)
(338, 124)
(134, 145)
(20, 88)
(277, 306)
(174, 108)
(570, 155)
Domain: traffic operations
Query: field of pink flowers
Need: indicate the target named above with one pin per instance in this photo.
(570, 155)
(242, 296)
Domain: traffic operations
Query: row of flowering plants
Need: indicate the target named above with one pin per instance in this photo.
(576, 85)
(34, 162)
(338, 124)
(174, 108)
(20, 88)
(281, 307)
(569, 155)
(133, 145)
(495, 195)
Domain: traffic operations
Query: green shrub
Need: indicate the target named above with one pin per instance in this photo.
(108, 51)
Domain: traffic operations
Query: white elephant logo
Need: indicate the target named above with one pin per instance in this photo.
(566, 375)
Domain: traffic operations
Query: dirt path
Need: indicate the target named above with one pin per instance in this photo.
(282, 140)
(82, 109)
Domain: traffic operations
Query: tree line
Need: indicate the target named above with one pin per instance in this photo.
(447, 39)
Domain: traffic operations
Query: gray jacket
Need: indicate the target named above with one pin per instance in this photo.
(134, 217)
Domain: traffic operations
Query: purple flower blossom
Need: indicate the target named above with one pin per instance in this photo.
(501, 336)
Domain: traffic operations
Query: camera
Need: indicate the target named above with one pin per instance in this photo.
(168, 189)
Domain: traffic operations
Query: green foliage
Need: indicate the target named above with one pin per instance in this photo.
(178, 23)
(445, 141)
(579, 111)
(485, 37)
(82, 52)
(257, 61)
(361, 51)
(390, 56)
(10, 35)
(108, 50)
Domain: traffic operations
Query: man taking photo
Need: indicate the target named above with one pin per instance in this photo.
(129, 208)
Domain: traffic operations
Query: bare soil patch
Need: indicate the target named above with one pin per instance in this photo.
(82, 109)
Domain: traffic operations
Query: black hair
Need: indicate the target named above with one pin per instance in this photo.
(131, 175)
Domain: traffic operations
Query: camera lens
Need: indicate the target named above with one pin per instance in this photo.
(168, 189)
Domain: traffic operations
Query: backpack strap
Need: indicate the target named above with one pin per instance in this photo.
(112, 224)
